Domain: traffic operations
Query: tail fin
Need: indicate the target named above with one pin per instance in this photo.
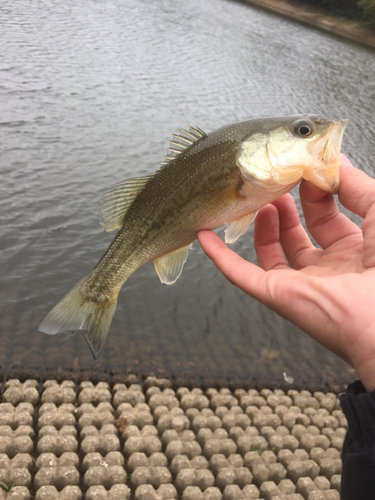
(82, 310)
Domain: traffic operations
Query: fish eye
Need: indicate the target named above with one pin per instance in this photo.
(303, 128)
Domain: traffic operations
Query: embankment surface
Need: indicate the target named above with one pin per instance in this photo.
(353, 30)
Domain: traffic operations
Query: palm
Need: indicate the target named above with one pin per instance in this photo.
(327, 292)
(343, 256)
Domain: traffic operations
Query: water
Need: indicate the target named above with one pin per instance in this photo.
(90, 93)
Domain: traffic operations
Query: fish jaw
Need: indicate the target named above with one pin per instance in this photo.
(324, 171)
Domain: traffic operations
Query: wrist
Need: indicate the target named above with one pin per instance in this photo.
(368, 384)
(362, 357)
(366, 373)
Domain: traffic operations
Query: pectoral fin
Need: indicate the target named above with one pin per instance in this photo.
(239, 227)
(169, 267)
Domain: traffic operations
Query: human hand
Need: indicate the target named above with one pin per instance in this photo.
(329, 292)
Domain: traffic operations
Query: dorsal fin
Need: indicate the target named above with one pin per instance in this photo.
(116, 201)
(182, 142)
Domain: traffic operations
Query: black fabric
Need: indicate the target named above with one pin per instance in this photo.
(358, 454)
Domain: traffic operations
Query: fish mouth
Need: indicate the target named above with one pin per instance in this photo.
(324, 172)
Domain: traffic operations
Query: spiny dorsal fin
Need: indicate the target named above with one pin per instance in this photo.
(185, 140)
(169, 267)
(116, 201)
(239, 227)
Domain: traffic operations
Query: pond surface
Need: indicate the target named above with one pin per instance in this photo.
(90, 93)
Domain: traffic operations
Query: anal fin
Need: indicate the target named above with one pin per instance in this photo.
(169, 267)
(239, 227)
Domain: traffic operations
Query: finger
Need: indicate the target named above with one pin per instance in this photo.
(267, 239)
(280, 290)
(323, 219)
(357, 193)
(238, 271)
(356, 190)
(296, 244)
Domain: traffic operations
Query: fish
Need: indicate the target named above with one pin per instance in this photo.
(206, 181)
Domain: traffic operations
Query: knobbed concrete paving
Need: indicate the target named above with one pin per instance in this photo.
(97, 442)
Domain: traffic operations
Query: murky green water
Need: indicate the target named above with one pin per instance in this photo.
(90, 93)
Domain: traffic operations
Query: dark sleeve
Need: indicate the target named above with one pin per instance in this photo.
(358, 453)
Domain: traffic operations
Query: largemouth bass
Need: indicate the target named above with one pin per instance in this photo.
(207, 180)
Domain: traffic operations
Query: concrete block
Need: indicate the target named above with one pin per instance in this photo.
(252, 400)
(102, 444)
(51, 493)
(192, 493)
(268, 490)
(172, 435)
(287, 442)
(138, 415)
(161, 383)
(332, 495)
(240, 420)
(194, 400)
(50, 460)
(16, 493)
(233, 492)
(203, 478)
(307, 468)
(140, 459)
(150, 475)
(105, 475)
(17, 392)
(330, 467)
(180, 462)
(92, 430)
(189, 448)
(336, 482)
(148, 492)
(57, 416)
(147, 445)
(59, 394)
(212, 493)
(50, 430)
(95, 459)
(16, 475)
(117, 492)
(249, 443)
(305, 485)
(94, 394)
(132, 395)
(14, 416)
(59, 476)
(11, 446)
(223, 446)
(164, 398)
